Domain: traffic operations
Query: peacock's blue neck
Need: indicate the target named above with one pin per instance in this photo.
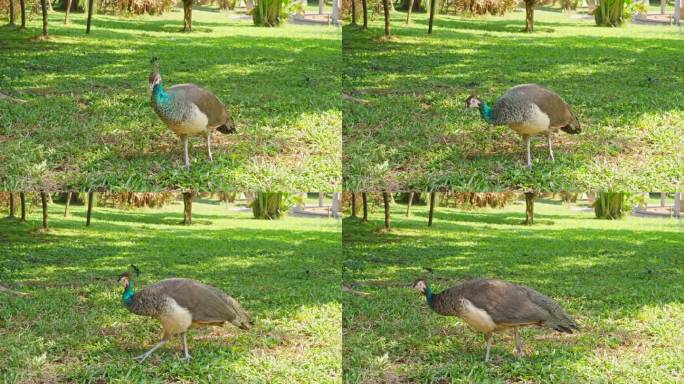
(429, 295)
(486, 112)
(128, 293)
(160, 97)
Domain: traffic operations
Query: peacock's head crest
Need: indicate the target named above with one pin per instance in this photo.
(155, 77)
(125, 278)
(473, 101)
(421, 286)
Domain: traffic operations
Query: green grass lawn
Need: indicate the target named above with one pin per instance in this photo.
(623, 281)
(87, 120)
(624, 84)
(73, 327)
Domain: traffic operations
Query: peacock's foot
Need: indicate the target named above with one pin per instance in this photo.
(142, 357)
(186, 358)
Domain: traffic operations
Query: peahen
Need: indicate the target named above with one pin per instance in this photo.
(188, 110)
(182, 304)
(494, 305)
(529, 110)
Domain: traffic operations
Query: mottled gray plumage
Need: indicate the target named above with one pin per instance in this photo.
(494, 305)
(182, 304)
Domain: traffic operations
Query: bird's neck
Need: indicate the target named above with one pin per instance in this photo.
(160, 96)
(486, 112)
(128, 293)
(429, 295)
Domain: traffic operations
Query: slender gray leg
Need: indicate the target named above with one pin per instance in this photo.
(145, 355)
(529, 153)
(185, 347)
(518, 343)
(548, 137)
(184, 139)
(211, 158)
(488, 337)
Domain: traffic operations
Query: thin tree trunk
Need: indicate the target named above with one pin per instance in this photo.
(187, 15)
(22, 198)
(433, 198)
(43, 201)
(385, 201)
(321, 199)
(22, 5)
(90, 15)
(364, 5)
(433, 5)
(677, 205)
(43, 6)
(663, 199)
(364, 198)
(529, 208)
(66, 204)
(91, 197)
(12, 213)
(408, 12)
(321, 6)
(529, 15)
(66, 12)
(385, 8)
(187, 208)
(11, 12)
(353, 205)
(677, 11)
(663, 3)
(353, 12)
(410, 202)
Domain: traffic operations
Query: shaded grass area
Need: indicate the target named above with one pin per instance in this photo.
(88, 122)
(624, 84)
(73, 327)
(623, 281)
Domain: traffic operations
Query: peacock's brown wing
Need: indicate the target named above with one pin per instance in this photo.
(206, 101)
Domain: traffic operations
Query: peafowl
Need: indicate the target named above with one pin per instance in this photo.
(529, 110)
(182, 304)
(188, 110)
(495, 305)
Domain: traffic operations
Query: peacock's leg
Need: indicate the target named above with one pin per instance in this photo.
(529, 153)
(211, 158)
(488, 337)
(185, 347)
(518, 343)
(184, 139)
(548, 137)
(145, 355)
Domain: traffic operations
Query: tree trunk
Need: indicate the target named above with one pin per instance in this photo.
(677, 11)
(364, 5)
(529, 208)
(321, 6)
(410, 202)
(529, 15)
(663, 199)
(335, 207)
(677, 209)
(89, 213)
(187, 208)
(43, 6)
(433, 5)
(385, 8)
(187, 15)
(335, 11)
(22, 198)
(408, 12)
(385, 201)
(353, 205)
(321, 199)
(66, 12)
(364, 198)
(66, 204)
(90, 16)
(353, 12)
(663, 4)
(433, 198)
(12, 213)
(11, 12)
(22, 5)
(43, 201)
